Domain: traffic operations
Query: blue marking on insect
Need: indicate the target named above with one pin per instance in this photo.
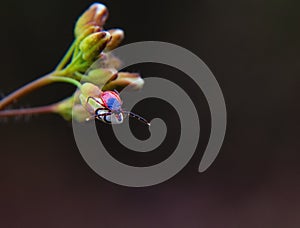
(113, 104)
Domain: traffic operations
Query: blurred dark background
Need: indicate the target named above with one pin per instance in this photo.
(251, 46)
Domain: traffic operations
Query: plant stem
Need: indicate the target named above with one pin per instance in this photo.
(28, 111)
(67, 57)
(38, 83)
(65, 79)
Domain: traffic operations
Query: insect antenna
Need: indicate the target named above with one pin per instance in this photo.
(131, 114)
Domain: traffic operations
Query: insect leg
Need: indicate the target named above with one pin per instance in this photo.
(90, 97)
(104, 114)
(117, 92)
(98, 115)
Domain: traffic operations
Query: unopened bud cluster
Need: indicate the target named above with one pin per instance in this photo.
(88, 64)
(93, 45)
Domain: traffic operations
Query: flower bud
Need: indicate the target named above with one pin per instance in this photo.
(95, 15)
(117, 37)
(77, 106)
(64, 108)
(69, 108)
(90, 30)
(100, 76)
(90, 90)
(108, 61)
(124, 79)
(93, 44)
(80, 114)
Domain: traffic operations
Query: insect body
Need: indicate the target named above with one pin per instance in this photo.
(110, 110)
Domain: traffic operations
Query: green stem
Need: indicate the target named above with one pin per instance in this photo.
(36, 84)
(65, 79)
(67, 57)
(73, 66)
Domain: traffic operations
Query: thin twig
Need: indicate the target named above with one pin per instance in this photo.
(36, 84)
(40, 82)
(28, 111)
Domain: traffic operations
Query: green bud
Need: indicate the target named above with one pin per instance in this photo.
(64, 108)
(124, 79)
(93, 44)
(80, 114)
(100, 76)
(89, 90)
(79, 106)
(88, 31)
(69, 109)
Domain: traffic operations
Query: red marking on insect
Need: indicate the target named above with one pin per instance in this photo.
(110, 110)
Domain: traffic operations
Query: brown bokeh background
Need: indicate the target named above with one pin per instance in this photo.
(251, 46)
